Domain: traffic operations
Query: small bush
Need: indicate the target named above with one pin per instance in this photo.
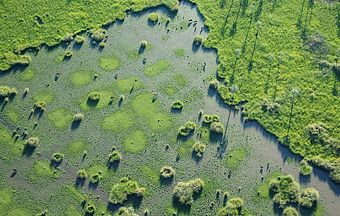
(90, 209)
(124, 188)
(167, 172)
(6, 91)
(32, 142)
(233, 207)
(102, 44)
(57, 157)
(143, 44)
(199, 148)
(177, 105)
(94, 96)
(214, 84)
(95, 178)
(82, 174)
(79, 39)
(126, 211)
(198, 40)
(40, 105)
(290, 211)
(98, 35)
(208, 119)
(286, 190)
(305, 168)
(78, 117)
(187, 129)
(114, 157)
(308, 197)
(217, 128)
(68, 54)
(153, 17)
(184, 191)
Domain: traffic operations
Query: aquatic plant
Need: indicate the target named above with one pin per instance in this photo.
(39, 105)
(308, 197)
(78, 117)
(143, 44)
(197, 40)
(124, 188)
(94, 96)
(286, 190)
(95, 178)
(214, 84)
(217, 128)
(90, 209)
(234, 206)
(68, 54)
(199, 149)
(184, 191)
(126, 211)
(167, 172)
(187, 129)
(79, 39)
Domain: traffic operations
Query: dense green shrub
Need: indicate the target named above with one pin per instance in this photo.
(187, 129)
(6, 91)
(305, 168)
(153, 17)
(233, 207)
(184, 191)
(214, 84)
(290, 211)
(271, 107)
(286, 190)
(79, 39)
(217, 128)
(32, 142)
(94, 96)
(98, 35)
(82, 174)
(40, 105)
(115, 157)
(68, 54)
(208, 119)
(177, 105)
(124, 188)
(126, 211)
(143, 44)
(167, 172)
(308, 197)
(78, 117)
(95, 178)
(199, 149)
(57, 157)
(90, 209)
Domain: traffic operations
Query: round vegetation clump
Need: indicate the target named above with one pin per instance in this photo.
(115, 157)
(177, 105)
(126, 211)
(78, 117)
(79, 39)
(308, 197)
(40, 105)
(305, 168)
(98, 35)
(167, 172)
(32, 142)
(233, 207)
(6, 91)
(68, 54)
(184, 191)
(82, 174)
(199, 149)
(286, 190)
(208, 119)
(290, 211)
(217, 128)
(143, 44)
(90, 209)
(94, 96)
(214, 84)
(102, 44)
(198, 40)
(124, 189)
(153, 17)
(187, 129)
(95, 178)
(57, 157)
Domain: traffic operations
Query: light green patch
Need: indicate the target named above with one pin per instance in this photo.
(97, 168)
(44, 169)
(18, 212)
(263, 189)
(150, 174)
(72, 211)
(71, 190)
(180, 80)
(109, 63)
(135, 142)
(45, 96)
(81, 78)
(125, 85)
(157, 68)
(179, 53)
(76, 149)
(133, 55)
(13, 115)
(27, 75)
(6, 195)
(105, 98)
(319, 211)
(118, 121)
(61, 118)
(8, 148)
(235, 157)
(169, 90)
(185, 148)
(151, 113)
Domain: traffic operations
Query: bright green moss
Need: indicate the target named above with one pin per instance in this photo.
(27, 75)
(135, 142)
(118, 121)
(235, 157)
(81, 78)
(61, 118)
(157, 68)
(109, 63)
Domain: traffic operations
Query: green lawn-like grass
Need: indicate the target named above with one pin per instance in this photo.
(43, 169)
(109, 63)
(263, 189)
(157, 68)
(76, 149)
(135, 142)
(235, 157)
(27, 75)
(126, 85)
(81, 78)
(45, 96)
(118, 121)
(105, 98)
(61, 118)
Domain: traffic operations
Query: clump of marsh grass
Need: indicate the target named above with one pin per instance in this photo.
(57, 158)
(167, 172)
(153, 17)
(78, 117)
(98, 35)
(32, 142)
(198, 40)
(217, 128)
(184, 191)
(187, 129)
(82, 174)
(199, 149)
(177, 105)
(79, 39)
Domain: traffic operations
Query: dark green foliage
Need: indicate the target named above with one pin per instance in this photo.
(290, 211)
(217, 128)
(208, 119)
(305, 168)
(184, 191)
(308, 197)
(167, 172)
(57, 157)
(6, 91)
(286, 190)
(82, 174)
(177, 105)
(153, 17)
(124, 188)
(98, 35)
(199, 149)
(187, 129)
(32, 142)
(115, 157)
(68, 54)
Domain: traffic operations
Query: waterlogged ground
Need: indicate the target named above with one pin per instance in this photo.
(169, 69)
